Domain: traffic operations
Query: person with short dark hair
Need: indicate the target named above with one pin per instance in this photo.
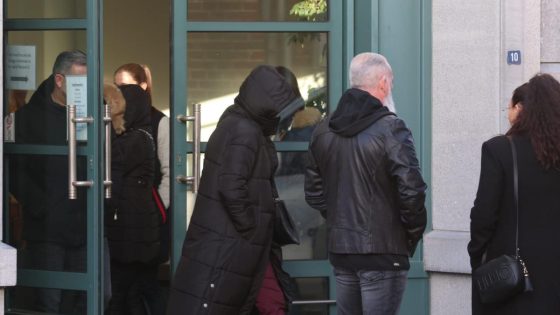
(54, 227)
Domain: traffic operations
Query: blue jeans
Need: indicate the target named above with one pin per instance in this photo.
(369, 291)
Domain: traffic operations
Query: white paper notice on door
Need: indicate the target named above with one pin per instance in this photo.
(76, 94)
(20, 67)
(9, 128)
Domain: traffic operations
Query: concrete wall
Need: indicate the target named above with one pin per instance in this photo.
(550, 45)
(471, 85)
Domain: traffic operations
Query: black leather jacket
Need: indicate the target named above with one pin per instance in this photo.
(366, 180)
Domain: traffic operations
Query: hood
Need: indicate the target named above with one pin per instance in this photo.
(43, 92)
(113, 96)
(309, 116)
(137, 112)
(356, 111)
(264, 95)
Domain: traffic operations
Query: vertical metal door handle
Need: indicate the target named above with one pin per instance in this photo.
(107, 182)
(195, 178)
(72, 160)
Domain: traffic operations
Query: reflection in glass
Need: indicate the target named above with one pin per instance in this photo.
(311, 226)
(23, 300)
(191, 197)
(257, 10)
(48, 9)
(218, 63)
(311, 289)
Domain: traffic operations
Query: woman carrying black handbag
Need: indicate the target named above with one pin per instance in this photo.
(534, 114)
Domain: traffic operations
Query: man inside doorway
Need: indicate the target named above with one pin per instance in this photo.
(54, 227)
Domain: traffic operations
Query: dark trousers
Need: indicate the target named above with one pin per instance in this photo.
(127, 282)
(152, 293)
(369, 292)
(55, 257)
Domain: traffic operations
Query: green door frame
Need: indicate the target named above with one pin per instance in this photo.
(354, 26)
(90, 281)
(180, 149)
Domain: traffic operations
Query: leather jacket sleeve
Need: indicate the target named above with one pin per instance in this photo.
(411, 188)
(314, 195)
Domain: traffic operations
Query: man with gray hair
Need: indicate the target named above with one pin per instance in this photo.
(54, 227)
(364, 178)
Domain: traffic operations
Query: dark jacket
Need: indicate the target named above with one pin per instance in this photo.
(40, 182)
(493, 221)
(304, 122)
(364, 177)
(229, 237)
(131, 218)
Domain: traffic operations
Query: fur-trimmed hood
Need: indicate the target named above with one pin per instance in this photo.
(309, 116)
(114, 97)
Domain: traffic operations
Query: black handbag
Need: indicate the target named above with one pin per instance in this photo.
(507, 275)
(285, 231)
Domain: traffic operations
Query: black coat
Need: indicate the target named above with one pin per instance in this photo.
(228, 242)
(493, 221)
(40, 182)
(131, 219)
(364, 177)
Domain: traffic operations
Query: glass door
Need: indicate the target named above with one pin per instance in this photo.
(215, 46)
(54, 168)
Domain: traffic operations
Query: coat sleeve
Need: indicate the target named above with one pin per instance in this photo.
(314, 194)
(484, 214)
(240, 156)
(404, 169)
(163, 156)
(25, 176)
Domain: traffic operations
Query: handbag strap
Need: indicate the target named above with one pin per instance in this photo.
(515, 194)
(274, 189)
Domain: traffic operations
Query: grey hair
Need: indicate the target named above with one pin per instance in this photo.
(366, 69)
(66, 59)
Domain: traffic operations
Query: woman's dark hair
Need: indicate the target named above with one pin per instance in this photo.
(519, 94)
(540, 117)
(140, 74)
(290, 78)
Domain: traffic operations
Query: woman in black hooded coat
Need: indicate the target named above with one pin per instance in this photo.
(131, 219)
(228, 242)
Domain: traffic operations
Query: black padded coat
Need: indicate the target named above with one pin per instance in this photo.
(131, 219)
(228, 240)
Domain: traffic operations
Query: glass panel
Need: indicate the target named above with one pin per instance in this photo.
(219, 62)
(257, 10)
(47, 228)
(40, 49)
(23, 300)
(312, 227)
(311, 289)
(49, 9)
(127, 41)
